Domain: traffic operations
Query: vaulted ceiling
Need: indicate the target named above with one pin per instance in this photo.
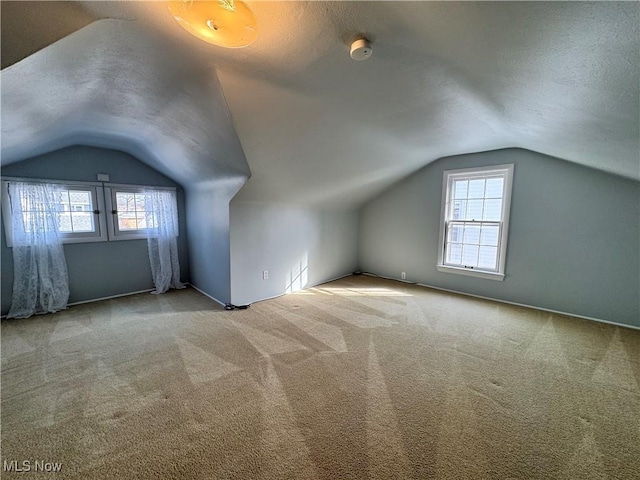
(560, 78)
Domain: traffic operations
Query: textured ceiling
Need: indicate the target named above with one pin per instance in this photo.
(101, 86)
(561, 78)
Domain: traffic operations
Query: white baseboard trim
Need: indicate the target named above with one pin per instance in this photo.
(205, 294)
(268, 298)
(109, 297)
(101, 298)
(305, 288)
(388, 278)
(129, 294)
(583, 317)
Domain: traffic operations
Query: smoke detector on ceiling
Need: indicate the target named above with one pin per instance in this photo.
(361, 49)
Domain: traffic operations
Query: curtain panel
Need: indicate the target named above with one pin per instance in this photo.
(162, 239)
(40, 280)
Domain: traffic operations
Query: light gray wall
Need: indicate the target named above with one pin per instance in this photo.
(209, 230)
(98, 269)
(574, 236)
(286, 240)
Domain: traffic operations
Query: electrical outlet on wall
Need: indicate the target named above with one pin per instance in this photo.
(265, 274)
(403, 275)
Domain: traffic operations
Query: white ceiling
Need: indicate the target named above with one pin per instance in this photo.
(561, 78)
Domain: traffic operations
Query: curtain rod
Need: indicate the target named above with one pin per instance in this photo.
(88, 183)
(48, 180)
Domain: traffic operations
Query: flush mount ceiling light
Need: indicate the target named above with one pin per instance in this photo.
(226, 23)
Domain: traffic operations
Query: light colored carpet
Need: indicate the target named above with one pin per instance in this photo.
(358, 378)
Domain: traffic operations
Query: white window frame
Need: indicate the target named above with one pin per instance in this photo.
(97, 196)
(110, 191)
(448, 177)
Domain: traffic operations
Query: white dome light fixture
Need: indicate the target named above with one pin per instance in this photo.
(361, 49)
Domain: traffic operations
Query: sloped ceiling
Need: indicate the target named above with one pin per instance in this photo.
(560, 78)
(111, 85)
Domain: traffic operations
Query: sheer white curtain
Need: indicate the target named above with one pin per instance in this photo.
(162, 228)
(40, 281)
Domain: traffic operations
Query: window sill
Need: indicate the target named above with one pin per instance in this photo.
(471, 273)
(92, 239)
(128, 236)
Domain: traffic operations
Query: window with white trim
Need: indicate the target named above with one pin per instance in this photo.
(474, 221)
(92, 212)
(79, 208)
(131, 213)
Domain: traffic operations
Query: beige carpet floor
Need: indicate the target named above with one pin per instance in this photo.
(358, 378)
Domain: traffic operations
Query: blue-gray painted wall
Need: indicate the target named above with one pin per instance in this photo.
(99, 269)
(299, 247)
(209, 231)
(574, 236)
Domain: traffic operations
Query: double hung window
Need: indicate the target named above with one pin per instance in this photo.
(474, 221)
